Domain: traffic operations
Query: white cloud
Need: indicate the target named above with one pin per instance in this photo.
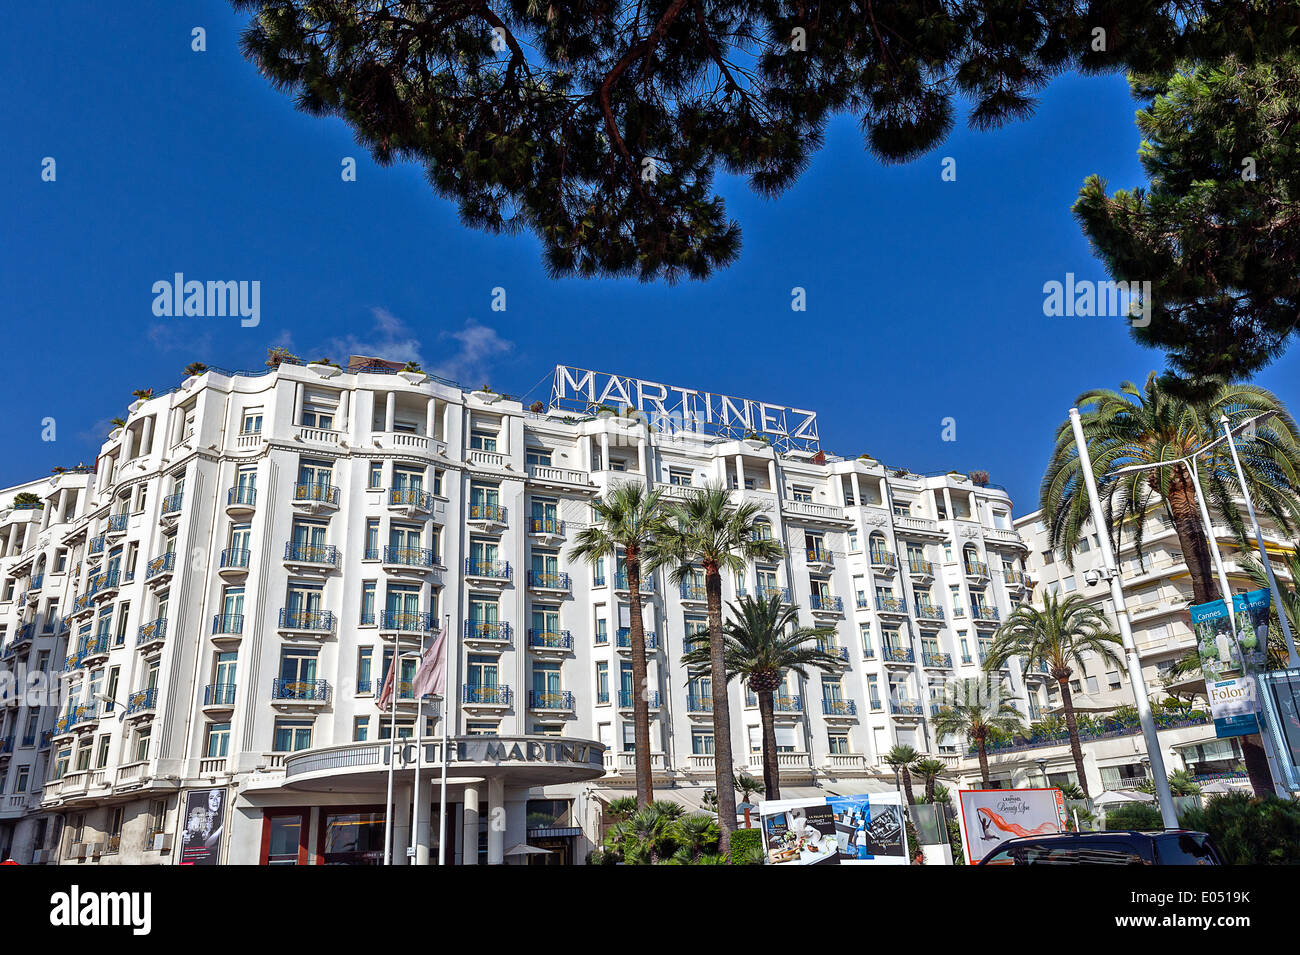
(465, 355)
(478, 346)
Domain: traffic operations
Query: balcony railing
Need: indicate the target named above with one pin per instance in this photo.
(692, 591)
(937, 660)
(316, 493)
(839, 707)
(919, 567)
(825, 602)
(228, 623)
(117, 522)
(897, 654)
(37, 582)
(172, 503)
(410, 557)
(626, 697)
(411, 497)
(487, 512)
(550, 639)
(219, 694)
(983, 613)
(928, 611)
(304, 553)
(485, 695)
(976, 568)
(548, 580)
(142, 701)
(647, 582)
(546, 525)
(891, 605)
(763, 592)
(163, 564)
(480, 630)
(321, 621)
(818, 555)
(698, 703)
(780, 703)
(234, 557)
(405, 621)
(906, 708)
(304, 691)
(151, 632)
(624, 639)
(493, 569)
(244, 495)
(880, 558)
(550, 700)
(97, 544)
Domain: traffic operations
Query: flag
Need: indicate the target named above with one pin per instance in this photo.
(386, 695)
(431, 677)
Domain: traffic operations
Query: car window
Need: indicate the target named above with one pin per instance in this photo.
(1089, 853)
(1002, 857)
(1185, 848)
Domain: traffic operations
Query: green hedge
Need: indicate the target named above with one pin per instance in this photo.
(1250, 830)
(746, 845)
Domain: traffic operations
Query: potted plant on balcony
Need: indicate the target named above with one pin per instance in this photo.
(413, 373)
(279, 355)
(756, 441)
(485, 394)
(26, 499)
(324, 367)
(117, 424)
(141, 395)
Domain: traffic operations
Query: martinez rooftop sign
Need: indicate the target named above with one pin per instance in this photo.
(676, 410)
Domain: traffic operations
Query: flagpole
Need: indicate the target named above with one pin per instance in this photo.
(415, 796)
(442, 800)
(392, 736)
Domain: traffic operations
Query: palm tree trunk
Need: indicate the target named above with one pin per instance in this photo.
(771, 769)
(1072, 726)
(724, 774)
(907, 786)
(984, 763)
(1196, 551)
(640, 682)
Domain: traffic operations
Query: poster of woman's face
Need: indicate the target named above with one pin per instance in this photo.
(205, 812)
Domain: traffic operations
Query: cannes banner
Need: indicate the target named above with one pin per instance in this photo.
(990, 817)
(1233, 647)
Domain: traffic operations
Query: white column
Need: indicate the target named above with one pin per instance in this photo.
(771, 476)
(297, 404)
(146, 436)
(740, 477)
(469, 838)
(390, 411)
(496, 821)
(431, 417)
(604, 450)
(128, 445)
(401, 824)
(342, 424)
(422, 829)
(947, 503)
(857, 489)
(644, 458)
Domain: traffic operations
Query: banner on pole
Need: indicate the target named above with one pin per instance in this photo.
(1233, 648)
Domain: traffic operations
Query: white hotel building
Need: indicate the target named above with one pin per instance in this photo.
(222, 593)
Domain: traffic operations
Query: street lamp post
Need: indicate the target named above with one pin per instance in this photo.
(1166, 801)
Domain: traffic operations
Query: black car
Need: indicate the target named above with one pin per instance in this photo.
(1110, 847)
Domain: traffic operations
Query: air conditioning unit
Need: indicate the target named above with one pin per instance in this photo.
(96, 849)
(162, 842)
(77, 850)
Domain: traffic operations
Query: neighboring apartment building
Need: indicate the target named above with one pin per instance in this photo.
(1158, 591)
(225, 592)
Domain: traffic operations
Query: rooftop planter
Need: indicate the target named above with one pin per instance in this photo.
(485, 394)
(413, 373)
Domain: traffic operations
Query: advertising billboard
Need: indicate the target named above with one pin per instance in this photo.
(1232, 646)
(204, 825)
(865, 829)
(990, 817)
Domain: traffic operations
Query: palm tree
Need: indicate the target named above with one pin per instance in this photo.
(929, 769)
(747, 785)
(1181, 783)
(1059, 634)
(975, 708)
(706, 532)
(901, 759)
(627, 520)
(646, 837)
(763, 640)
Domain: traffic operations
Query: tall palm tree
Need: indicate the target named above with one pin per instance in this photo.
(901, 759)
(706, 532)
(626, 520)
(1059, 634)
(1148, 425)
(929, 770)
(762, 641)
(974, 707)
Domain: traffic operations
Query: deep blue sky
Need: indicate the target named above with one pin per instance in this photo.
(924, 297)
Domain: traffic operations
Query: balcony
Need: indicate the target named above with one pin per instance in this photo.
(152, 634)
(825, 603)
(920, 570)
(1014, 579)
(623, 640)
(240, 500)
(171, 507)
(936, 661)
(819, 559)
(698, 703)
(766, 592)
(904, 656)
(397, 621)
(486, 515)
(839, 709)
(977, 571)
(487, 459)
(819, 512)
(411, 501)
(884, 563)
(228, 624)
(234, 562)
(907, 709)
(627, 697)
(982, 613)
(894, 606)
(928, 611)
(104, 585)
(37, 583)
(556, 641)
(548, 580)
(781, 703)
(557, 701)
(830, 647)
(117, 522)
(493, 571)
(97, 545)
(316, 497)
(300, 692)
(485, 697)
(546, 528)
(314, 622)
(219, 696)
(160, 569)
(421, 560)
(311, 556)
(94, 650)
(647, 583)
(84, 717)
(694, 593)
(548, 476)
(490, 636)
(142, 703)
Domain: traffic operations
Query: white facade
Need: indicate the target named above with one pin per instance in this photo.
(250, 548)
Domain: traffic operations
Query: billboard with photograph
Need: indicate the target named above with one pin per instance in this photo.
(202, 827)
(1232, 647)
(835, 830)
(990, 817)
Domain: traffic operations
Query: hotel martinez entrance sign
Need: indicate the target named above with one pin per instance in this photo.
(676, 410)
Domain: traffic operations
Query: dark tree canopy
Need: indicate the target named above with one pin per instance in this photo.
(599, 125)
(1218, 230)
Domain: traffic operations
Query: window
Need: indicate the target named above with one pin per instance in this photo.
(360, 729)
(538, 457)
(679, 477)
(252, 421)
(141, 749)
(480, 729)
(482, 440)
(837, 744)
(702, 742)
(376, 474)
(119, 636)
(101, 757)
(368, 603)
(801, 492)
(602, 631)
(157, 816)
(365, 657)
(217, 744)
(292, 735)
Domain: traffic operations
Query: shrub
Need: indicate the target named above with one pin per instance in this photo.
(1250, 830)
(1134, 815)
(279, 355)
(747, 847)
